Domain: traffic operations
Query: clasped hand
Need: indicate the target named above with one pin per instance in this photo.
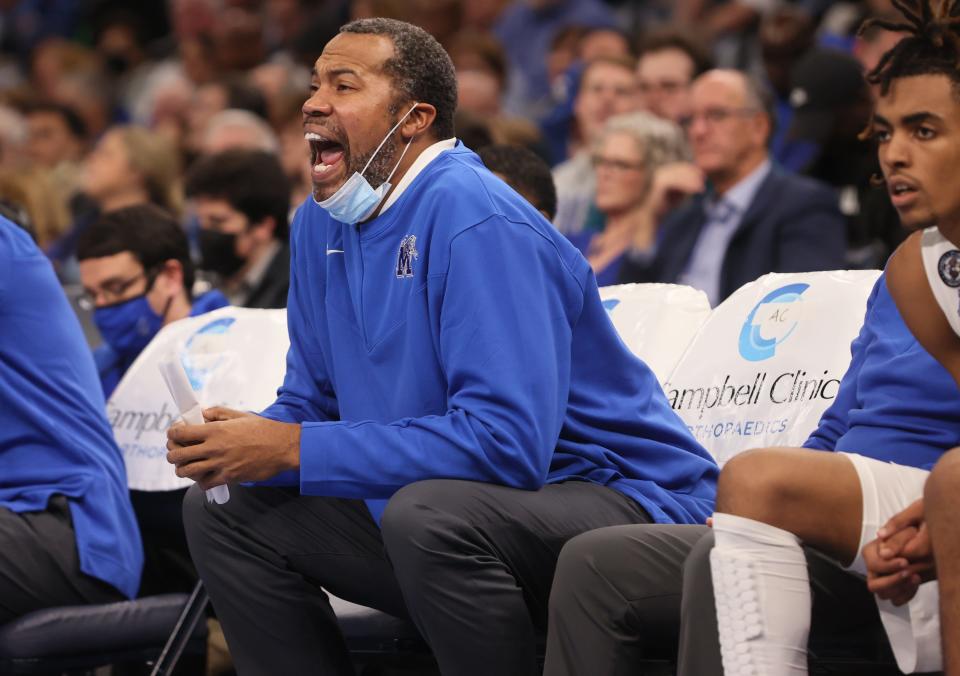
(901, 558)
(232, 446)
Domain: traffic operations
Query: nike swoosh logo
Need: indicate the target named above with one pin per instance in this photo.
(333, 251)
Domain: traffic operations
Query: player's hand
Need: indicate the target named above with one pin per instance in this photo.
(897, 566)
(906, 536)
(912, 516)
(889, 577)
(244, 447)
(900, 587)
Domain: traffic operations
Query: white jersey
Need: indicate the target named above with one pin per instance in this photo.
(941, 262)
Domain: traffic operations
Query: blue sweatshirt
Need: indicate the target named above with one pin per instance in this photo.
(54, 434)
(460, 336)
(896, 403)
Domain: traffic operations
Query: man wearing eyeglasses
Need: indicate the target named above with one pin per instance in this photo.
(752, 218)
(137, 275)
(136, 271)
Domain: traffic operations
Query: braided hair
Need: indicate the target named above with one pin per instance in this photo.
(931, 45)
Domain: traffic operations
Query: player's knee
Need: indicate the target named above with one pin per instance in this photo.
(416, 512)
(598, 566)
(753, 484)
(584, 560)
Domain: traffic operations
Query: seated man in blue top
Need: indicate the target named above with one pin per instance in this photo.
(456, 405)
(136, 270)
(67, 532)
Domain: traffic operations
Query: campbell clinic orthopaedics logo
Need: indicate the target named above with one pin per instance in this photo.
(771, 321)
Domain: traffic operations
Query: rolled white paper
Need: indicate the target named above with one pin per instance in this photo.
(191, 411)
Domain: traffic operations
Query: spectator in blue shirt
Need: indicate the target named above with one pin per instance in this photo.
(136, 270)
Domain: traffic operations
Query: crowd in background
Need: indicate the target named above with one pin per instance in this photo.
(107, 104)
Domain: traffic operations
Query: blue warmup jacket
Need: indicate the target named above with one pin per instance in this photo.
(460, 336)
(54, 434)
(896, 403)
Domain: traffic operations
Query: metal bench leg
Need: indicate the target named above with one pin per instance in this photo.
(192, 613)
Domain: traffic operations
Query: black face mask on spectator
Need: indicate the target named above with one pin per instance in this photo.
(116, 63)
(218, 253)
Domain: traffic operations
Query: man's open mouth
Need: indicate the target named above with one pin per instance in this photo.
(324, 152)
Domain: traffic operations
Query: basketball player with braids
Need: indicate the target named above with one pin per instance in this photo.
(771, 501)
(923, 541)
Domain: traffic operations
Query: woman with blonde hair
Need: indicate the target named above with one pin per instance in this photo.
(627, 154)
(132, 165)
(129, 166)
(29, 198)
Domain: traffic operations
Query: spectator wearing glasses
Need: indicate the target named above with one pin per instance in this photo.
(607, 87)
(747, 217)
(136, 270)
(625, 157)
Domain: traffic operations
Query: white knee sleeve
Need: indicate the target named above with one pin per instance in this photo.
(762, 592)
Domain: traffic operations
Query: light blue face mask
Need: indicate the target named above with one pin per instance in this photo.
(356, 199)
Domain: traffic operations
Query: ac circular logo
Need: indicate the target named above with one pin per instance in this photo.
(771, 321)
(949, 268)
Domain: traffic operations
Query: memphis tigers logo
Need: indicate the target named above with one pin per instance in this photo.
(405, 257)
(949, 268)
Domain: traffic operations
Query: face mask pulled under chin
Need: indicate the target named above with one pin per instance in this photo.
(356, 199)
(129, 326)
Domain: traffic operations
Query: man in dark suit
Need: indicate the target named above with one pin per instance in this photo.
(746, 217)
(242, 201)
